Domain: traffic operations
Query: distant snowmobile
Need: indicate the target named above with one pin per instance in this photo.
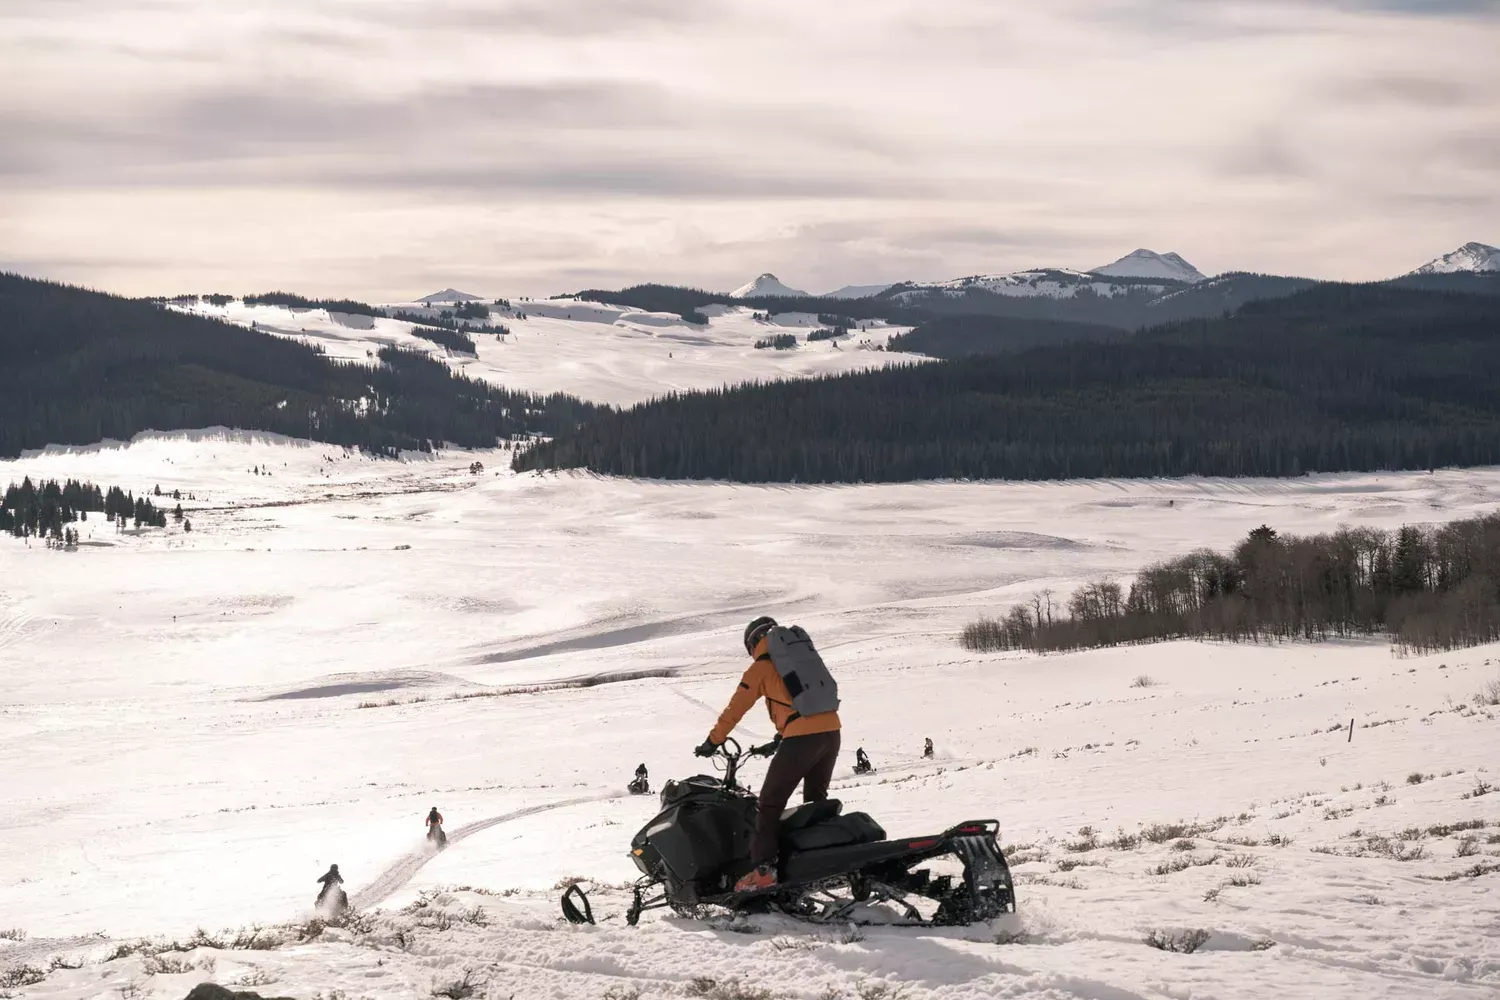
(834, 868)
(641, 783)
(862, 763)
(332, 901)
(927, 748)
(435, 834)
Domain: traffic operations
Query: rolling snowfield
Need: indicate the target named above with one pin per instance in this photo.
(193, 726)
(598, 352)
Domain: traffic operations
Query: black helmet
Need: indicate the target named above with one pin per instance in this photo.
(756, 630)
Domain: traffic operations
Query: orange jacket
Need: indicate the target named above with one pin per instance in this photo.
(762, 681)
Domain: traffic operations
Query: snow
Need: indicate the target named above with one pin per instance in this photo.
(450, 295)
(1052, 283)
(183, 742)
(1150, 264)
(602, 353)
(1469, 257)
(765, 285)
(857, 291)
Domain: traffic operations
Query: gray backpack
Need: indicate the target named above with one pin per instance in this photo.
(812, 687)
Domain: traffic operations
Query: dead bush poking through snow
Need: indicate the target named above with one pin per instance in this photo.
(1489, 694)
(12, 934)
(1180, 942)
(1144, 681)
(1468, 847)
(256, 938)
(1415, 778)
(1182, 863)
(254, 976)
(21, 975)
(171, 965)
(1087, 841)
(1481, 789)
(1241, 861)
(622, 993)
(711, 989)
(1242, 879)
(462, 988)
(876, 989)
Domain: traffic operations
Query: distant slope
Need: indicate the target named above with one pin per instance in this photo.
(1471, 257)
(1150, 264)
(78, 366)
(1470, 282)
(966, 336)
(1336, 377)
(766, 286)
(856, 291)
(449, 295)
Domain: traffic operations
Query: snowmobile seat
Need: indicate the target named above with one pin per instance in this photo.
(809, 813)
(840, 831)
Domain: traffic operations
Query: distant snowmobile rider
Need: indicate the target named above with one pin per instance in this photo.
(434, 818)
(807, 748)
(330, 878)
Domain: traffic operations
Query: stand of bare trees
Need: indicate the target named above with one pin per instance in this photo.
(1426, 588)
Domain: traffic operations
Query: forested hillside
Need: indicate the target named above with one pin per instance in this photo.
(77, 366)
(1338, 377)
(963, 336)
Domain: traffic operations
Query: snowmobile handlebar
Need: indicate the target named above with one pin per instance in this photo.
(734, 755)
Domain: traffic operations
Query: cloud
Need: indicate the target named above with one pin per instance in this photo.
(315, 142)
(568, 18)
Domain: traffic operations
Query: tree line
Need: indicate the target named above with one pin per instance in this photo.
(1427, 588)
(290, 300)
(1334, 378)
(965, 336)
(44, 510)
(78, 366)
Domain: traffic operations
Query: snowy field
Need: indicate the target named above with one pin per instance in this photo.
(194, 725)
(598, 352)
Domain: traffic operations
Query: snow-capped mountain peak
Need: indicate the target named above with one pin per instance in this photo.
(765, 285)
(1150, 264)
(1469, 257)
(450, 295)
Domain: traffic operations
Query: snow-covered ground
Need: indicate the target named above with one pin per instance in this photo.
(601, 353)
(194, 725)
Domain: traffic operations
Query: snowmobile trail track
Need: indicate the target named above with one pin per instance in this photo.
(400, 873)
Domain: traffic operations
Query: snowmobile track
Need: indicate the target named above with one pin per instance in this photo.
(400, 873)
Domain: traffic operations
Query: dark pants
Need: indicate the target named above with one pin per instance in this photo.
(808, 759)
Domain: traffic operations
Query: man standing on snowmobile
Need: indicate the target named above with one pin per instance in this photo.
(330, 879)
(807, 747)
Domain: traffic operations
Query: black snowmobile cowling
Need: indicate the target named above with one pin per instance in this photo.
(832, 864)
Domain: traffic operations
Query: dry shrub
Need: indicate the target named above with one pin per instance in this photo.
(1181, 942)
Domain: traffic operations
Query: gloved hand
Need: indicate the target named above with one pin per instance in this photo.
(707, 748)
(767, 749)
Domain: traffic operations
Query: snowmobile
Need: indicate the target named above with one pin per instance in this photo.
(332, 902)
(834, 867)
(862, 763)
(436, 837)
(639, 785)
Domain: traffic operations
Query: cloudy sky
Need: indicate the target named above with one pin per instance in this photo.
(386, 148)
